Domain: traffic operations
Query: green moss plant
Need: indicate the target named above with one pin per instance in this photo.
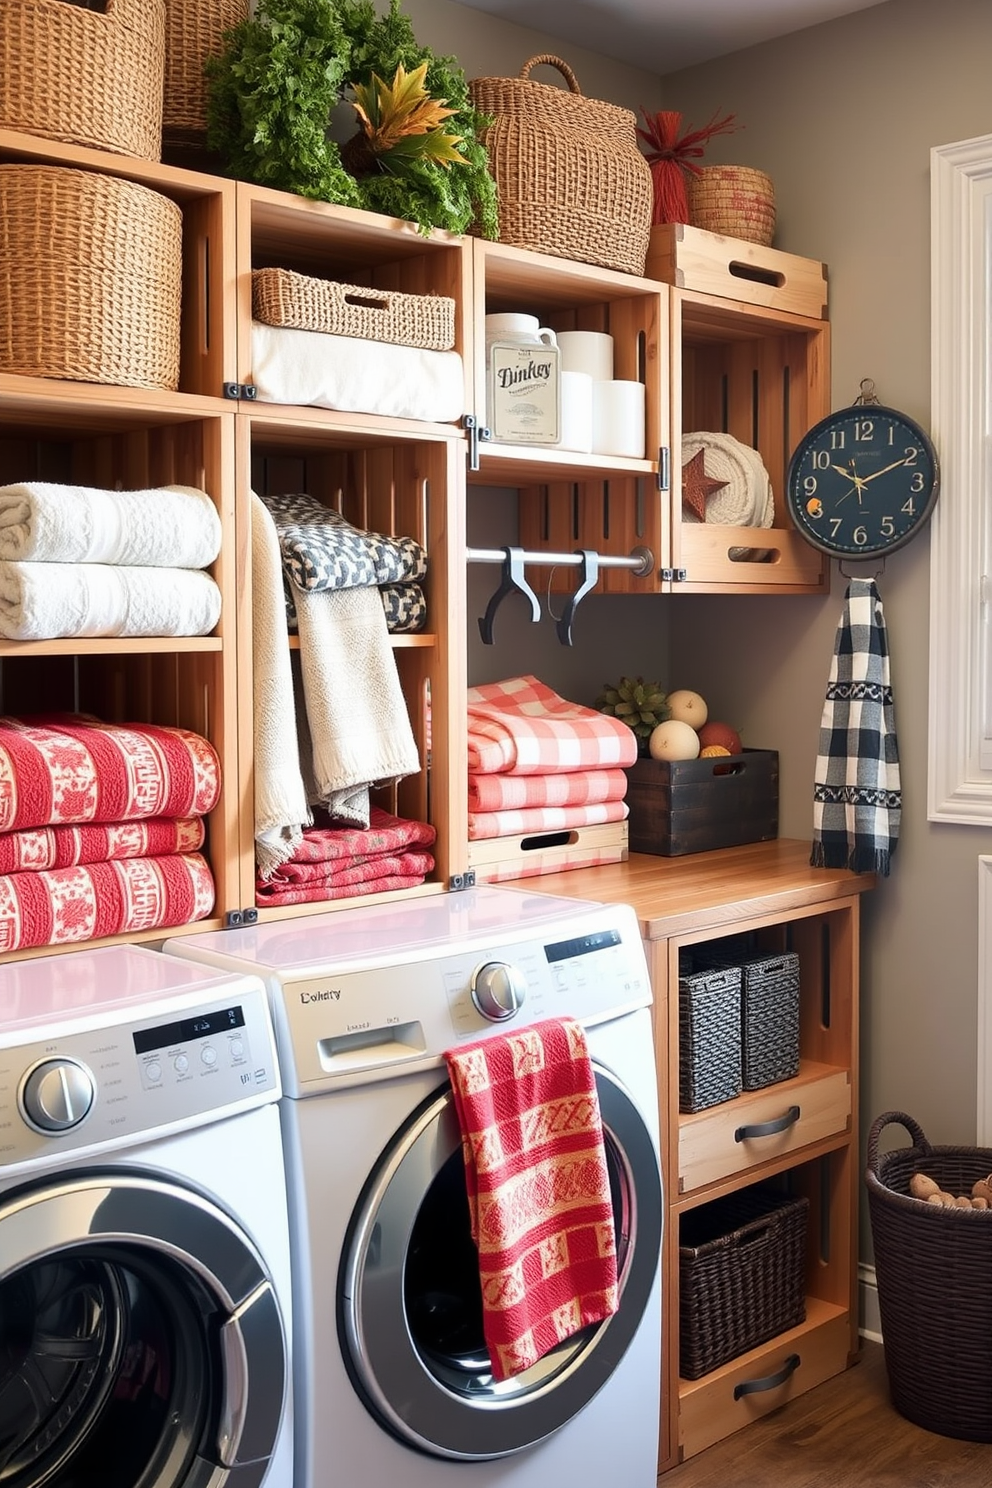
(286, 68)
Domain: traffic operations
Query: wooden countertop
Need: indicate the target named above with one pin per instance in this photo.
(673, 896)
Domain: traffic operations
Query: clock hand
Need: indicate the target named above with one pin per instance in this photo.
(884, 471)
(858, 482)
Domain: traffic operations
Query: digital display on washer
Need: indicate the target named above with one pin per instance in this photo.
(581, 945)
(184, 1029)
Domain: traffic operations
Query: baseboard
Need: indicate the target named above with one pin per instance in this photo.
(870, 1322)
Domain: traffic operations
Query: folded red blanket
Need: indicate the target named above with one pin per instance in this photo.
(564, 788)
(84, 903)
(538, 1188)
(522, 726)
(314, 893)
(72, 768)
(384, 834)
(482, 824)
(35, 848)
(351, 871)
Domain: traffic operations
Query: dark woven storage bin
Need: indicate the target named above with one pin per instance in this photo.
(769, 1020)
(742, 1266)
(934, 1272)
(709, 1037)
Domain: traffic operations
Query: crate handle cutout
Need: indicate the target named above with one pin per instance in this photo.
(368, 302)
(756, 274)
(548, 839)
(769, 1381)
(768, 1128)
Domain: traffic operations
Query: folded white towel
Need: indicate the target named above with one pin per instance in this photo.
(316, 368)
(167, 527)
(42, 601)
(280, 800)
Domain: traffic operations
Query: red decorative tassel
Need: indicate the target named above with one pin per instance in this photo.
(669, 158)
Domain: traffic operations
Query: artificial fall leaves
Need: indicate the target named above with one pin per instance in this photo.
(402, 122)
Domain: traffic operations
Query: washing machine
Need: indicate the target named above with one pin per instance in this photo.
(393, 1382)
(145, 1303)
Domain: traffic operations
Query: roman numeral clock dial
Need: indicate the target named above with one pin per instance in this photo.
(862, 481)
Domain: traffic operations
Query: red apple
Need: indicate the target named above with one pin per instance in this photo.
(714, 732)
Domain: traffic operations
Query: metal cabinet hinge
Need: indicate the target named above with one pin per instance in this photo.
(664, 468)
(238, 390)
(459, 881)
(674, 575)
(238, 917)
(475, 432)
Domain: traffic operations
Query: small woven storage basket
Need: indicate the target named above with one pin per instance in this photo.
(570, 179)
(84, 76)
(735, 201)
(194, 31)
(709, 1037)
(281, 297)
(90, 278)
(742, 1269)
(934, 1272)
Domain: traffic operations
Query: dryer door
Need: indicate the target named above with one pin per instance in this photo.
(141, 1343)
(410, 1307)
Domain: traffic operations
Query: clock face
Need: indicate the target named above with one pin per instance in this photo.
(862, 481)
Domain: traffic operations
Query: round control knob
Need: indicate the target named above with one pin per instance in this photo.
(208, 1054)
(498, 989)
(180, 1064)
(58, 1095)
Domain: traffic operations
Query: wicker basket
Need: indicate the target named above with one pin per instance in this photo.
(570, 179)
(283, 298)
(90, 278)
(933, 1267)
(733, 200)
(709, 1037)
(742, 1267)
(194, 31)
(84, 76)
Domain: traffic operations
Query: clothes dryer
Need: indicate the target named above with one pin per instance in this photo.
(145, 1297)
(393, 1383)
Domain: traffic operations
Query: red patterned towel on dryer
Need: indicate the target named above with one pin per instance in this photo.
(538, 1188)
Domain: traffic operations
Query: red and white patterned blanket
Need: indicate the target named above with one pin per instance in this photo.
(524, 792)
(83, 903)
(520, 725)
(35, 848)
(538, 1188)
(486, 824)
(70, 768)
(337, 862)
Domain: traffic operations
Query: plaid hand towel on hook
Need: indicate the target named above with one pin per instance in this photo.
(857, 798)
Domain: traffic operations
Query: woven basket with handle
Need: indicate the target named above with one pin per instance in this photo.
(570, 179)
(88, 77)
(194, 31)
(90, 278)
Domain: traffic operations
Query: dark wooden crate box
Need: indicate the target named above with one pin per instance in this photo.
(689, 806)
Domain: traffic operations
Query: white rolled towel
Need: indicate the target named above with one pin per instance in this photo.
(45, 601)
(165, 527)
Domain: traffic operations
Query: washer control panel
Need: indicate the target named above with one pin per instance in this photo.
(187, 1060)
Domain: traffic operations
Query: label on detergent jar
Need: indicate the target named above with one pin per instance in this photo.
(524, 393)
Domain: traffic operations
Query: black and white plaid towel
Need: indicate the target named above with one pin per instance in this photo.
(857, 799)
(321, 550)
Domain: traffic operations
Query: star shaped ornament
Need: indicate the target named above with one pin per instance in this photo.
(697, 485)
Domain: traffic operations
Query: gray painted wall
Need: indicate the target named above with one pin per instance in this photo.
(842, 116)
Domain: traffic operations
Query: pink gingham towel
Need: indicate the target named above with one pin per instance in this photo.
(482, 824)
(523, 792)
(522, 727)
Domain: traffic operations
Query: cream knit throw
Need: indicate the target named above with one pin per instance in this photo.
(281, 809)
(168, 527)
(359, 727)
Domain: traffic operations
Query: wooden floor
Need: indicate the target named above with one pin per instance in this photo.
(844, 1434)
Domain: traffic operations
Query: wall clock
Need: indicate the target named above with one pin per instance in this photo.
(862, 481)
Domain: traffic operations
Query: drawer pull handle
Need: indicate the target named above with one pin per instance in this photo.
(770, 1381)
(768, 1128)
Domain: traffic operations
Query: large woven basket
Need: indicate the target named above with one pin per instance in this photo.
(735, 201)
(742, 1275)
(281, 297)
(194, 31)
(88, 77)
(569, 177)
(934, 1271)
(90, 278)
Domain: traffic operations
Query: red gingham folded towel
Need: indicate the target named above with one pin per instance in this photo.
(72, 768)
(484, 824)
(35, 848)
(520, 725)
(85, 903)
(522, 792)
(538, 1188)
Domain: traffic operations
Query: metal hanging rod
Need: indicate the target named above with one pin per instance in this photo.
(513, 560)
